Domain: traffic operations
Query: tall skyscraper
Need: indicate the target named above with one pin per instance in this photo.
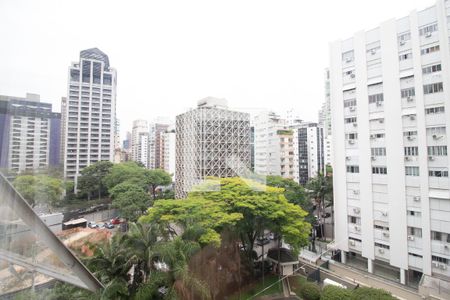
(156, 144)
(30, 134)
(91, 112)
(63, 129)
(308, 151)
(140, 142)
(168, 139)
(390, 103)
(207, 139)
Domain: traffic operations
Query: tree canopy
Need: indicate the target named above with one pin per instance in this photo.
(39, 189)
(90, 183)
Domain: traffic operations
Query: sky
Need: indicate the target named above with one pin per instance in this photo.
(169, 54)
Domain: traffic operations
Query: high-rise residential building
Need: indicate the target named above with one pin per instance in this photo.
(63, 129)
(30, 134)
(308, 150)
(390, 103)
(168, 141)
(91, 112)
(211, 140)
(140, 142)
(267, 143)
(156, 143)
(325, 123)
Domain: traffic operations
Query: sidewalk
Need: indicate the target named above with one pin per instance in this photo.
(365, 279)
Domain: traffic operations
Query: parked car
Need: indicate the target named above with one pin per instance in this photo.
(116, 221)
(92, 225)
(262, 241)
(109, 225)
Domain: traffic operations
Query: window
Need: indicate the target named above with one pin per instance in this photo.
(354, 220)
(438, 173)
(434, 110)
(437, 150)
(436, 235)
(408, 92)
(376, 98)
(348, 56)
(405, 56)
(378, 151)
(414, 231)
(350, 120)
(436, 130)
(410, 133)
(403, 37)
(379, 170)
(411, 151)
(428, 29)
(107, 79)
(412, 171)
(349, 102)
(439, 259)
(353, 169)
(381, 245)
(74, 75)
(351, 136)
(433, 88)
(377, 136)
(432, 69)
(414, 213)
(429, 50)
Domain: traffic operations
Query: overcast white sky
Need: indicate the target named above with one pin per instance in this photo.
(169, 54)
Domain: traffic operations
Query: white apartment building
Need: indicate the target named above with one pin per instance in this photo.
(140, 142)
(390, 98)
(168, 150)
(325, 123)
(211, 140)
(308, 151)
(91, 112)
(267, 155)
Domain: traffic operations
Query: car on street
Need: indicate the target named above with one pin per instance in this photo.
(116, 221)
(92, 225)
(109, 225)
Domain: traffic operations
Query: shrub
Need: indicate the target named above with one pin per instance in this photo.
(310, 291)
(365, 293)
(331, 292)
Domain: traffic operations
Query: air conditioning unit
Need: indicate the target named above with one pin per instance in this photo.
(352, 242)
(386, 234)
(373, 51)
(348, 59)
(430, 157)
(357, 228)
(428, 34)
(416, 198)
(410, 99)
(410, 238)
(407, 158)
(373, 137)
(446, 247)
(435, 264)
(436, 136)
(402, 43)
(351, 142)
(347, 158)
(356, 210)
(351, 108)
(352, 75)
(443, 266)
(412, 117)
(373, 158)
(355, 124)
(410, 138)
(380, 250)
(356, 192)
(384, 213)
(379, 103)
(381, 120)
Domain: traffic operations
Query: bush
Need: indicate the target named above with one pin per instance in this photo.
(365, 293)
(331, 292)
(310, 291)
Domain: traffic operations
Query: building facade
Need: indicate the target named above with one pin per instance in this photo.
(91, 113)
(30, 134)
(390, 97)
(168, 141)
(208, 139)
(308, 150)
(140, 142)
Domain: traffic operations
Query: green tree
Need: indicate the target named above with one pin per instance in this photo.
(40, 189)
(364, 293)
(130, 199)
(320, 189)
(310, 291)
(90, 183)
(331, 292)
(126, 172)
(246, 210)
(294, 193)
(157, 178)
